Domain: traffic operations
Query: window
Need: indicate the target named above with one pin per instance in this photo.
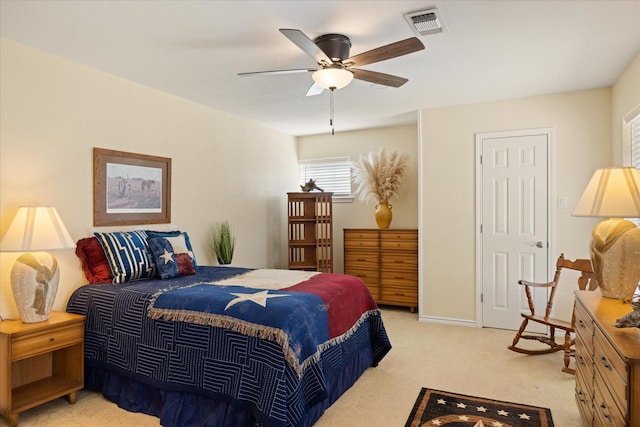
(332, 175)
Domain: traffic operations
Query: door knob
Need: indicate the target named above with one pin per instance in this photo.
(537, 244)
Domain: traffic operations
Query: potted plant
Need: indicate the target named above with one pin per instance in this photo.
(379, 177)
(223, 242)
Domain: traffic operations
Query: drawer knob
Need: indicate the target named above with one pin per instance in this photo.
(399, 261)
(51, 339)
(605, 362)
(400, 294)
(361, 259)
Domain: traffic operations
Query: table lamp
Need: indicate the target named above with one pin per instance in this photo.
(35, 274)
(615, 243)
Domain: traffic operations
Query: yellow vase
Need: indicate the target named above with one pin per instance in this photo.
(383, 214)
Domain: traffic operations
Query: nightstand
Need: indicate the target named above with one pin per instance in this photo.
(40, 362)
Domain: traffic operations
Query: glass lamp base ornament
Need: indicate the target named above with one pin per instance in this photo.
(383, 214)
(615, 255)
(34, 283)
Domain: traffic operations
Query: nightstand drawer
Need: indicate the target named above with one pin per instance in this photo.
(46, 341)
(612, 369)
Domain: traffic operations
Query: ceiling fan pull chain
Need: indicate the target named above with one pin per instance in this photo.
(332, 89)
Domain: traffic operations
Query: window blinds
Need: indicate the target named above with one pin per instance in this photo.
(332, 174)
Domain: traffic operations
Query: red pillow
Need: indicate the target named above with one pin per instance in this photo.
(94, 262)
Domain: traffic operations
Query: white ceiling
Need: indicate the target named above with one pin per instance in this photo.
(491, 50)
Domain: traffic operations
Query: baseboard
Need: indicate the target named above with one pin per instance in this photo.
(447, 321)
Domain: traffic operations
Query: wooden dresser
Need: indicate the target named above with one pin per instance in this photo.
(387, 261)
(607, 363)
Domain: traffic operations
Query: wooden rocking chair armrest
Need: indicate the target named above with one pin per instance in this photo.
(536, 285)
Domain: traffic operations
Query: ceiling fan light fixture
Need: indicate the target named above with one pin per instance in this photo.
(332, 77)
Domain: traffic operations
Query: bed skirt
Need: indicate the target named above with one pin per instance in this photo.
(179, 409)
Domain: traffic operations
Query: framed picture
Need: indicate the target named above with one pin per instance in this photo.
(130, 189)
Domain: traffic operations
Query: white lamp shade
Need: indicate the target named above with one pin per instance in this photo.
(36, 229)
(332, 78)
(611, 193)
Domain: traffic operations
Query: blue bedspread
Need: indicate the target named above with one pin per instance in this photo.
(231, 349)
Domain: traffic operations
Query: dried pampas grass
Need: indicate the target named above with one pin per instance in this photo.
(379, 177)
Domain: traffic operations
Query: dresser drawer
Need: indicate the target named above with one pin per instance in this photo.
(368, 276)
(407, 245)
(402, 261)
(361, 238)
(399, 294)
(407, 279)
(361, 259)
(584, 324)
(46, 341)
(584, 358)
(606, 412)
(584, 399)
(612, 369)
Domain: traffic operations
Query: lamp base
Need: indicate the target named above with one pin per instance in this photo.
(615, 255)
(34, 283)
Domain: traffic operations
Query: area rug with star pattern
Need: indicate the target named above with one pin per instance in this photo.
(441, 408)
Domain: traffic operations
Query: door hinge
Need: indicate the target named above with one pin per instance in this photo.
(481, 298)
(480, 228)
(480, 158)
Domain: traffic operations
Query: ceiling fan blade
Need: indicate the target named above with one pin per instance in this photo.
(378, 78)
(315, 89)
(382, 53)
(301, 40)
(293, 71)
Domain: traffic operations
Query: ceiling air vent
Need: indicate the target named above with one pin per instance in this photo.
(425, 22)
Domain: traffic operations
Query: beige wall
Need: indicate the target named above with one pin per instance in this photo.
(53, 112)
(581, 122)
(625, 97)
(358, 214)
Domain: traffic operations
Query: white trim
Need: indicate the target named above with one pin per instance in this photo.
(549, 132)
(447, 321)
(421, 225)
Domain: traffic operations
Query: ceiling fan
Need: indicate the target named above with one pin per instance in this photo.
(336, 68)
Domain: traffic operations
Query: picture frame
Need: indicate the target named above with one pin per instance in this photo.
(130, 188)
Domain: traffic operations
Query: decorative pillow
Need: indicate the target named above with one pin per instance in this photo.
(94, 263)
(179, 240)
(128, 255)
(171, 261)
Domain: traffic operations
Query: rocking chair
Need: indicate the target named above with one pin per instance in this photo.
(585, 281)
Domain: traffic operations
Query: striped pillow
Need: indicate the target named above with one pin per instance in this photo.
(128, 255)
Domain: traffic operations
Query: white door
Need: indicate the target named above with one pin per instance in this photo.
(513, 222)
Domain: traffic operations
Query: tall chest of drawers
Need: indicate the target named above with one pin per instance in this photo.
(607, 363)
(387, 261)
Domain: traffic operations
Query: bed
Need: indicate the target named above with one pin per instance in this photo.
(228, 346)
